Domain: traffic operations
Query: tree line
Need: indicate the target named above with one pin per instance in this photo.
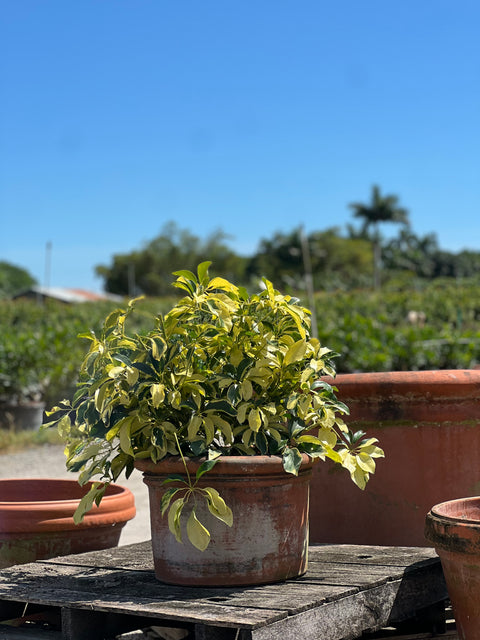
(335, 258)
(351, 258)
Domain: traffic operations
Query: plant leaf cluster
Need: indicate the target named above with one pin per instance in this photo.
(222, 373)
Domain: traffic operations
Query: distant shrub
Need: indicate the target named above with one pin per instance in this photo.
(40, 352)
(372, 331)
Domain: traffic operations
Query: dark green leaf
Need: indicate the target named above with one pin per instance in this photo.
(232, 394)
(261, 442)
(174, 477)
(244, 365)
(167, 497)
(296, 427)
(145, 368)
(123, 358)
(222, 406)
(205, 467)
(198, 448)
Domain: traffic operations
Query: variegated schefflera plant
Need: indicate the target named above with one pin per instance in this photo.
(223, 373)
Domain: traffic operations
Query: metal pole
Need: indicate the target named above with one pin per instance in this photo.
(48, 263)
(307, 266)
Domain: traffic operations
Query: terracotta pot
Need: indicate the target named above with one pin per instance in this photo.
(428, 423)
(268, 541)
(36, 519)
(21, 417)
(453, 528)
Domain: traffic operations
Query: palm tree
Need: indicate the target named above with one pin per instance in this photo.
(381, 209)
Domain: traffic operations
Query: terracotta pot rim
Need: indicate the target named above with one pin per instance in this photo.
(446, 383)
(450, 527)
(117, 507)
(114, 491)
(238, 465)
(441, 510)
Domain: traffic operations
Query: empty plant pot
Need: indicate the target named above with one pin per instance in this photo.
(453, 528)
(36, 519)
(428, 424)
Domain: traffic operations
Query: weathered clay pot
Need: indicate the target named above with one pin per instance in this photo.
(36, 519)
(453, 528)
(268, 541)
(428, 423)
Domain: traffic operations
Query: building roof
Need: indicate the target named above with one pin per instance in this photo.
(64, 294)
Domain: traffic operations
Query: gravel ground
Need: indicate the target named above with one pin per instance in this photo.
(48, 461)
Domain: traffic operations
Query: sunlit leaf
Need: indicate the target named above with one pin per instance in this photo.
(158, 394)
(327, 436)
(242, 412)
(100, 394)
(246, 389)
(174, 514)
(221, 283)
(185, 273)
(292, 459)
(295, 353)
(193, 426)
(217, 506)
(254, 419)
(202, 271)
(365, 462)
(196, 532)
(125, 442)
(359, 477)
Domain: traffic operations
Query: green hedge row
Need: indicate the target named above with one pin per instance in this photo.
(435, 327)
(40, 352)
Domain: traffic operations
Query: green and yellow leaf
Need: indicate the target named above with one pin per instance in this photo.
(196, 532)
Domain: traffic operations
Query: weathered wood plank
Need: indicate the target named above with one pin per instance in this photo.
(109, 590)
(343, 619)
(136, 557)
(112, 587)
(369, 554)
(289, 597)
(346, 587)
(353, 575)
(108, 594)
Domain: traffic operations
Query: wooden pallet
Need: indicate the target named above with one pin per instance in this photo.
(347, 591)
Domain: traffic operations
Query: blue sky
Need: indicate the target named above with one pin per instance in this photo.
(117, 116)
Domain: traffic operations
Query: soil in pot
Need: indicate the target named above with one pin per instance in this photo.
(268, 541)
(36, 519)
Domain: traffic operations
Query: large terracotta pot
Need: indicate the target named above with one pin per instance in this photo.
(268, 541)
(453, 527)
(428, 423)
(36, 519)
